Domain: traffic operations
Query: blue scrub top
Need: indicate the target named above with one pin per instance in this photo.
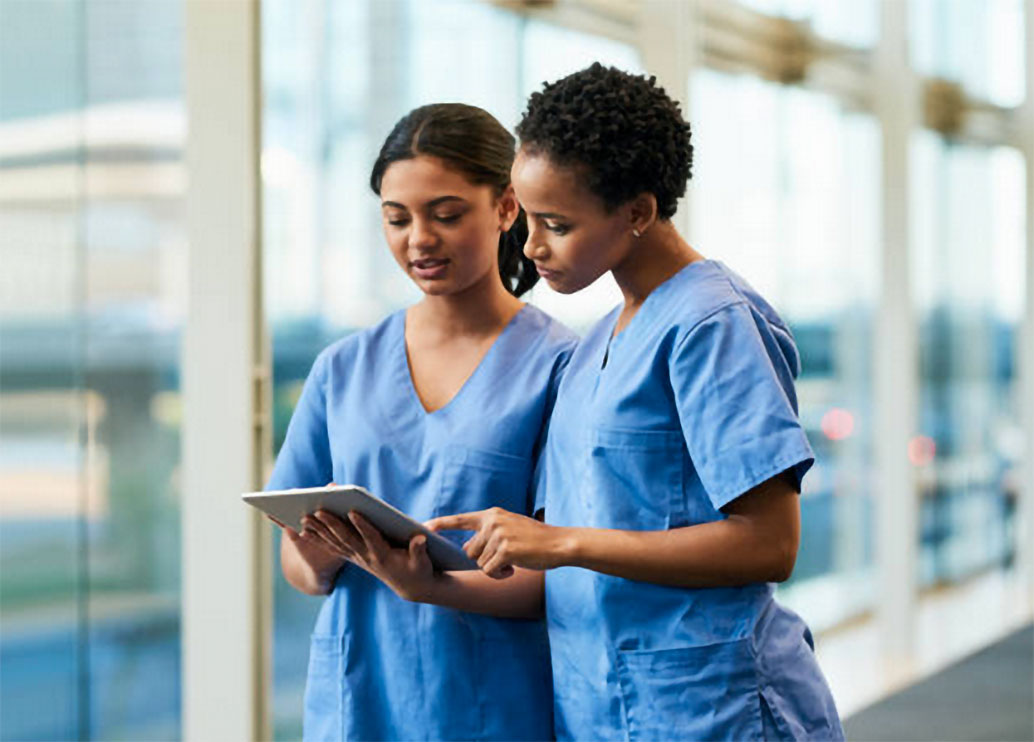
(381, 667)
(690, 406)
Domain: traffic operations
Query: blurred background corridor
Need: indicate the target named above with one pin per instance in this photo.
(866, 164)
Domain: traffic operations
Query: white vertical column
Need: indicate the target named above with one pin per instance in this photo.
(226, 581)
(668, 39)
(1025, 521)
(896, 384)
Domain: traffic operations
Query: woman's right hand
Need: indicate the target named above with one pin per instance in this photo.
(307, 563)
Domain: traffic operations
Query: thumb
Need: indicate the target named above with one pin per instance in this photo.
(417, 547)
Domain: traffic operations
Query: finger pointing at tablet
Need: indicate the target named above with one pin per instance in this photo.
(503, 540)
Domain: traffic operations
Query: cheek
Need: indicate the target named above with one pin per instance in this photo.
(578, 253)
(479, 242)
(397, 242)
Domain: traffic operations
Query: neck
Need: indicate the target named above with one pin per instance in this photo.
(479, 309)
(654, 258)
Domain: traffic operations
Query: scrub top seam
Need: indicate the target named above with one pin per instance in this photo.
(739, 300)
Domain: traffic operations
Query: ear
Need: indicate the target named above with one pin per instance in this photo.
(508, 207)
(642, 212)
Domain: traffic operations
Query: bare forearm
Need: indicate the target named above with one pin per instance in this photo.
(719, 554)
(518, 596)
(301, 575)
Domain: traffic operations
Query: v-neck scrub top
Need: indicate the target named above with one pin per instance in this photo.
(686, 409)
(381, 667)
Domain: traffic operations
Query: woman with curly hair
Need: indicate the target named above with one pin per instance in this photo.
(674, 456)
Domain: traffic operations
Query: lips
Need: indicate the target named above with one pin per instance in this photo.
(429, 268)
(546, 273)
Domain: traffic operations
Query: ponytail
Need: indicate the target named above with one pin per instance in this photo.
(517, 271)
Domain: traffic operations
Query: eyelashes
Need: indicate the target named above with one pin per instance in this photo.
(443, 219)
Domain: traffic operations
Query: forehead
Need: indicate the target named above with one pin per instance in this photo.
(424, 178)
(542, 186)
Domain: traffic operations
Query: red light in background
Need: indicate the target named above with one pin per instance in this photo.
(837, 424)
(921, 450)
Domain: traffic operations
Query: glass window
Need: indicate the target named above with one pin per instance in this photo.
(91, 305)
(792, 205)
(968, 283)
(851, 22)
(978, 44)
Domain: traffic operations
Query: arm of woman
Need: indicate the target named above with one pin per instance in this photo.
(757, 542)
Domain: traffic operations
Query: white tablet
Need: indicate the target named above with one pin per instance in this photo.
(288, 507)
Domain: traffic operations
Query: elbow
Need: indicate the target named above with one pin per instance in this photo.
(783, 560)
(314, 589)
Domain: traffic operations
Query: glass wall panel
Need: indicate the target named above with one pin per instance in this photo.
(337, 76)
(978, 44)
(792, 205)
(91, 306)
(852, 22)
(968, 266)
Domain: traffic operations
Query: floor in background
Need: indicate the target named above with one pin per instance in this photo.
(988, 696)
(951, 624)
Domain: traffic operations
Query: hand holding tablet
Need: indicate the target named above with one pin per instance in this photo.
(290, 506)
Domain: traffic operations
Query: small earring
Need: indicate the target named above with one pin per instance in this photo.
(637, 233)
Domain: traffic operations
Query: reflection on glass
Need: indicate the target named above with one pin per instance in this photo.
(91, 304)
(968, 268)
(337, 76)
(792, 205)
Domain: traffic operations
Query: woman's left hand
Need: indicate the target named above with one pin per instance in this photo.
(407, 571)
(504, 540)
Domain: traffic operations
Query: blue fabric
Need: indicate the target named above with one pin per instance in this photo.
(381, 667)
(690, 406)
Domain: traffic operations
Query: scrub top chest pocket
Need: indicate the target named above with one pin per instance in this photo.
(634, 479)
(476, 479)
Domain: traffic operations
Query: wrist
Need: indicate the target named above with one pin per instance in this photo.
(566, 547)
(424, 591)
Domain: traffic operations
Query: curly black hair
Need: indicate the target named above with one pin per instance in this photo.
(621, 130)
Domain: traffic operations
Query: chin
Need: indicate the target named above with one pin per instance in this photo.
(565, 287)
(436, 288)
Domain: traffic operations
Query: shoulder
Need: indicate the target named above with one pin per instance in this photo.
(342, 355)
(553, 336)
(721, 308)
(710, 292)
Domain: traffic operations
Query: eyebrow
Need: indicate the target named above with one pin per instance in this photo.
(430, 204)
(547, 215)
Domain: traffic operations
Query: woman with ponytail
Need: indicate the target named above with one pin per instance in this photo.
(441, 408)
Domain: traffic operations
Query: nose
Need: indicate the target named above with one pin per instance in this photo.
(534, 249)
(421, 235)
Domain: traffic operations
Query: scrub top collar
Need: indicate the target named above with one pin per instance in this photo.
(643, 317)
(406, 373)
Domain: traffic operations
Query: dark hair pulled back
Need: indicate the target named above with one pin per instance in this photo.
(473, 142)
